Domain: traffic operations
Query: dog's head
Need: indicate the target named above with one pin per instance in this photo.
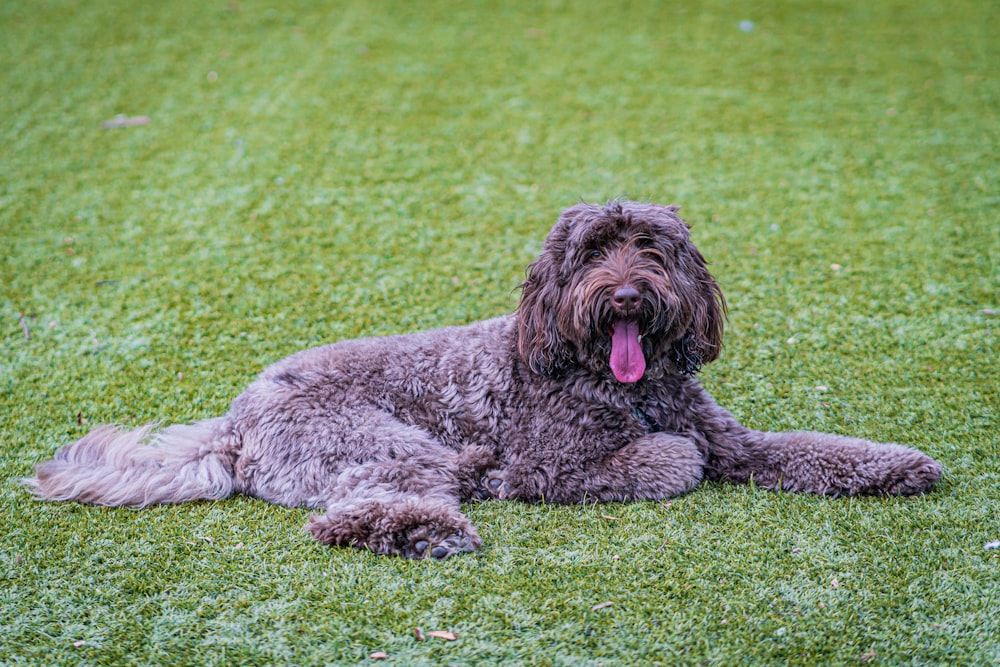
(620, 287)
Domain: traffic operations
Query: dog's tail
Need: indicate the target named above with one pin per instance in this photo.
(137, 468)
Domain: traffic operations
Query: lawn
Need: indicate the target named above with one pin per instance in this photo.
(299, 173)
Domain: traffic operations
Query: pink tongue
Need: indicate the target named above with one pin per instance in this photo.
(627, 362)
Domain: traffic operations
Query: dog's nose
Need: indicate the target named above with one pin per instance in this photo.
(626, 298)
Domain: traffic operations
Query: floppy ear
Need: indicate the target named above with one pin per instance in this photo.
(701, 343)
(539, 342)
(564, 239)
(538, 339)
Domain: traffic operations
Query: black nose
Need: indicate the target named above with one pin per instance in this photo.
(626, 298)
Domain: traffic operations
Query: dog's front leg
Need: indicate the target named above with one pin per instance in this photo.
(824, 463)
(652, 467)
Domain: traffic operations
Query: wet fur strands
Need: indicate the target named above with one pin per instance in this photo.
(586, 393)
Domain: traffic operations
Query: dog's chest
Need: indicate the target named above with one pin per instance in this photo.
(567, 424)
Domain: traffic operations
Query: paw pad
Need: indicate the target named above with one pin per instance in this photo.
(440, 549)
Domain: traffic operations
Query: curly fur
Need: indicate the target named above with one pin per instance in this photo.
(586, 393)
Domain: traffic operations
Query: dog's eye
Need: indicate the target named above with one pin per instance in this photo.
(596, 254)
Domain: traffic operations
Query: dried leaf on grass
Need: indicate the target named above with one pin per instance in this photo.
(443, 634)
(379, 655)
(603, 605)
(419, 634)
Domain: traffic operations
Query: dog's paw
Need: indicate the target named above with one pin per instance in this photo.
(411, 527)
(915, 478)
(473, 463)
(494, 485)
(422, 545)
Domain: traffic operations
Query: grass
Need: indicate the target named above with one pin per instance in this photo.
(317, 171)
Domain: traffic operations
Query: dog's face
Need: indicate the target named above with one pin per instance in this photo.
(620, 288)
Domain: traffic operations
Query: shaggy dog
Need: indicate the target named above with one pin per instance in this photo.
(586, 393)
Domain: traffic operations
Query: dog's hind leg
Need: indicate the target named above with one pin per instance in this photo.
(387, 485)
(389, 522)
(407, 506)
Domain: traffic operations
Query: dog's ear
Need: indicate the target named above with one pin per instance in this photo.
(539, 341)
(701, 299)
(566, 236)
(701, 343)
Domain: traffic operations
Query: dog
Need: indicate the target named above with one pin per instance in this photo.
(586, 393)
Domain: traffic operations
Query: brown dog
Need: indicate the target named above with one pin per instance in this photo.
(585, 393)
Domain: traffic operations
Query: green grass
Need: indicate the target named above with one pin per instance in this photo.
(319, 171)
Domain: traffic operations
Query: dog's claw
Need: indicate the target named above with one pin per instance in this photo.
(420, 546)
(440, 552)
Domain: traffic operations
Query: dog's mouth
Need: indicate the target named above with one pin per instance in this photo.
(627, 360)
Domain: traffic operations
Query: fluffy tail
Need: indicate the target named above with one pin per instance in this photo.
(139, 468)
